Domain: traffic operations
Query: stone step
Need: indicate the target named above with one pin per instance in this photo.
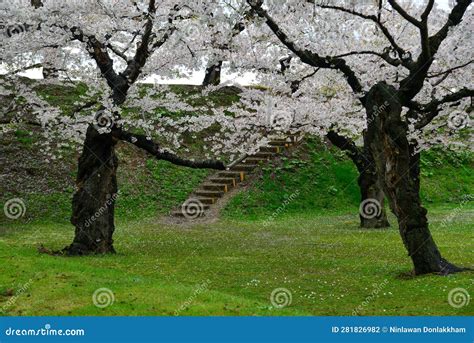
(244, 167)
(264, 154)
(254, 160)
(216, 187)
(193, 209)
(220, 183)
(280, 143)
(273, 149)
(207, 193)
(190, 215)
(292, 137)
(239, 175)
(231, 181)
(206, 200)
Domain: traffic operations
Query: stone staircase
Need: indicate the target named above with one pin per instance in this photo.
(215, 186)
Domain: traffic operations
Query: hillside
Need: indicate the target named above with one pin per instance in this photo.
(324, 178)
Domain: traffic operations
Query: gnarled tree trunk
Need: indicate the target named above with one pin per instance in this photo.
(372, 201)
(372, 204)
(399, 170)
(93, 202)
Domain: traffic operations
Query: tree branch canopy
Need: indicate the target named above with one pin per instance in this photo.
(98, 51)
(348, 145)
(307, 56)
(404, 58)
(405, 14)
(427, 112)
(153, 149)
(413, 83)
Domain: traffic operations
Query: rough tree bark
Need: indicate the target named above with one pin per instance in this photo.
(93, 203)
(371, 192)
(213, 74)
(399, 169)
(369, 184)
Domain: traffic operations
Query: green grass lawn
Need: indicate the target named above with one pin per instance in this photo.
(329, 265)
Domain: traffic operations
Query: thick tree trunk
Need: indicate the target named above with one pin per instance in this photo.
(213, 74)
(399, 171)
(372, 205)
(93, 202)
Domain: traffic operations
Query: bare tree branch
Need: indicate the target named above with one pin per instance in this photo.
(153, 149)
(405, 14)
(307, 56)
(427, 112)
(405, 60)
(412, 84)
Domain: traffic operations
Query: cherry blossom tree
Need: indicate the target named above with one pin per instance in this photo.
(402, 71)
(291, 76)
(331, 70)
(126, 42)
(222, 43)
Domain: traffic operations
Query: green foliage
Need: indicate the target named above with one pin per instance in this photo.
(446, 176)
(24, 137)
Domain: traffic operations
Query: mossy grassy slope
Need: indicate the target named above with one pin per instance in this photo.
(321, 180)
